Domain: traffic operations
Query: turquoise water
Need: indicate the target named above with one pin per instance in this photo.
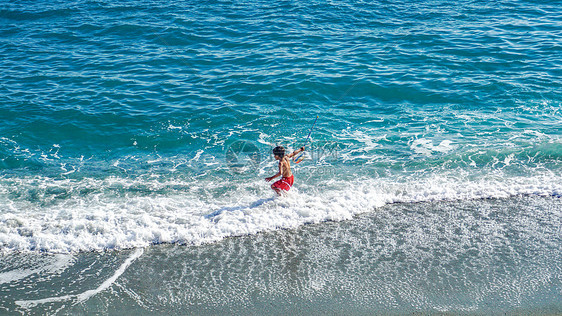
(134, 124)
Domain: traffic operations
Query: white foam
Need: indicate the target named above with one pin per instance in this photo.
(210, 210)
(425, 147)
(51, 265)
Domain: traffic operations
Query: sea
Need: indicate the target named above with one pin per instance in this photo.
(136, 136)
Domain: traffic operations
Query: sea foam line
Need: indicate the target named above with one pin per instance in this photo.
(82, 297)
(60, 263)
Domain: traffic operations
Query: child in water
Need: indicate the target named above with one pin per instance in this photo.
(284, 170)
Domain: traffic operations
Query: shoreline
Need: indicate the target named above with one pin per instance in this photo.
(385, 262)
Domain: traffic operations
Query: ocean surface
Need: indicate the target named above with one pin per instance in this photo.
(135, 137)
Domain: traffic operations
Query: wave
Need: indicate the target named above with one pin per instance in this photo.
(65, 216)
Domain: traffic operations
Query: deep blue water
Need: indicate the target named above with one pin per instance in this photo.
(130, 124)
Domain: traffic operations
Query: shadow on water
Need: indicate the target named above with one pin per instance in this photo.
(252, 205)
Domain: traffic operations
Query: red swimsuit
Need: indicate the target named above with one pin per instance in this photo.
(284, 183)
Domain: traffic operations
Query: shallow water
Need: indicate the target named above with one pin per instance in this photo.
(125, 126)
(467, 257)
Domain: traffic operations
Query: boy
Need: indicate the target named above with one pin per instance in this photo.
(284, 170)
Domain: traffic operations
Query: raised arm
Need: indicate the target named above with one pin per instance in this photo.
(295, 152)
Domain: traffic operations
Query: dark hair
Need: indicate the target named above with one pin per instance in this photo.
(279, 151)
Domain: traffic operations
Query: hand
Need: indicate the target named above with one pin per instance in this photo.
(302, 148)
(268, 179)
